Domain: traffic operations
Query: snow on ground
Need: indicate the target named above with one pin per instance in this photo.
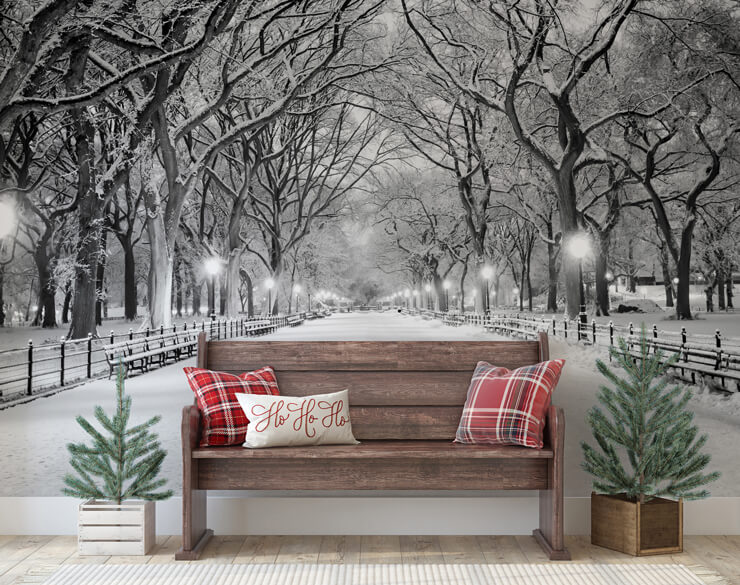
(33, 459)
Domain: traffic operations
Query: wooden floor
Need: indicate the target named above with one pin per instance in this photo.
(30, 559)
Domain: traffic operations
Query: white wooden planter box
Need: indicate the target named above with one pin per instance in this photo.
(107, 528)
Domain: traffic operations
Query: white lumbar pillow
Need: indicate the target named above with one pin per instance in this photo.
(288, 421)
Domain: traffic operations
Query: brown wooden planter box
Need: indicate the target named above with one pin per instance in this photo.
(652, 528)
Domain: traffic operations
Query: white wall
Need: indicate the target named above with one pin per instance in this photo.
(359, 515)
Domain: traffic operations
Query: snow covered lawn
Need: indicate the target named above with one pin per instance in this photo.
(33, 458)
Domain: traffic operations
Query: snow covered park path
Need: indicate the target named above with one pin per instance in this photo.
(33, 458)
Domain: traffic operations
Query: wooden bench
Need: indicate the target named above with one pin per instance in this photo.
(259, 327)
(295, 320)
(706, 361)
(454, 320)
(140, 353)
(406, 399)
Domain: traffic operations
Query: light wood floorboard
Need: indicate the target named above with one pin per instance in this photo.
(26, 559)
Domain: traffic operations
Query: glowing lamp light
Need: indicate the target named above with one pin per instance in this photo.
(609, 275)
(428, 287)
(213, 266)
(296, 288)
(269, 283)
(446, 284)
(203, 308)
(8, 218)
(416, 293)
(578, 245)
(675, 280)
(487, 272)
(515, 292)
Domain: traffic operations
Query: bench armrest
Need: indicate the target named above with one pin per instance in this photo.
(190, 430)
(554, 434)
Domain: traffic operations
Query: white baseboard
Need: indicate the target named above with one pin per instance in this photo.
(359, 515)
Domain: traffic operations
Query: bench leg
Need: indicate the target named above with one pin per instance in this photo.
(550, 534)
(195, 535)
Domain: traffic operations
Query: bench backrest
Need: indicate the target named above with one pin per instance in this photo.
(404, 390)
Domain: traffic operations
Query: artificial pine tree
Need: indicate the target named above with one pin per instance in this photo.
(648, 423)
(128, 460)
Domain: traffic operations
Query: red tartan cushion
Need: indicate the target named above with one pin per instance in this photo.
(224, 422)
(507, 407)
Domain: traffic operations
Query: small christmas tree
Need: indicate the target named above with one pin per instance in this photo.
(128, 461)
(651, 425)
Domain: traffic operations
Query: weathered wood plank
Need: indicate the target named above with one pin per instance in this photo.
(500, 549)
(421, 549)
(381, 549)
(345, 474)
(461, 549)
(299, 549)
(369, 355)
(259, 550)
(380, 450)
(373, 388)
(340, 549)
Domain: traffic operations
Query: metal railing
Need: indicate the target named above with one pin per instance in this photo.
(40, 367)
(713, 356)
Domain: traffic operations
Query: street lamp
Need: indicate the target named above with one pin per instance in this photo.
(578, 246)
(487, 273)
(213, 267)
(446, 286)
(428, 288)
(416, 299)
(407, 294)
(269, 283)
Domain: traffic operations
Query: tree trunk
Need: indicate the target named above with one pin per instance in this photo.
(84, 300)
(569, 227)
(601, 263)
(160, 268)
(553, 275)
(46, 307)
(683, 303)
(729, 290)
(721, 289)
(178, 282)
(2, 296)
(211, 291)
(250, 292)
(221, 296)
(233, 280)
(667, 280)
(195, 290)
(439, 291)
(90, 209)
(100, 277)
(67, 303)
(130, 293)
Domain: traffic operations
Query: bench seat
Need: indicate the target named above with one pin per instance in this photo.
(379, 450)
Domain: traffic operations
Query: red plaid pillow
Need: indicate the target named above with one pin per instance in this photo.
(224, 422)
(508, 407)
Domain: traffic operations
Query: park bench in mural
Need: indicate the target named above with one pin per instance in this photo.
(259, 327)
(406, 399)
(144, 352)
(295, 320)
